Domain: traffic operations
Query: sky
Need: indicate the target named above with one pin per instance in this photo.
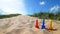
(25, 7)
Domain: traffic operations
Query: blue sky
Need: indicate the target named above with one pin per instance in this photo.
(35, 6)
(28, 6)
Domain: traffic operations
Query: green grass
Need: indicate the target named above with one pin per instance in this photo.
(8, 16)
(47, 15)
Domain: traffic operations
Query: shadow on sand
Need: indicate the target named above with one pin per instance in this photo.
(46, 31)
(51, 29)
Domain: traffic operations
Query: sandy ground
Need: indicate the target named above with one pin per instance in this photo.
(26, 25)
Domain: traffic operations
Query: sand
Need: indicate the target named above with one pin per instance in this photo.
(26, 25)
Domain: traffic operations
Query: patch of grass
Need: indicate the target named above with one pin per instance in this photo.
(8, 16)
(47, 15)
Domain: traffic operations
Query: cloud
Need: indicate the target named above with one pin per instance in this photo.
(13, 6)
(42, 3)
(55, 8)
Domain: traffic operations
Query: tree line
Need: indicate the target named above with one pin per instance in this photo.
(8, 16)
(47, 15)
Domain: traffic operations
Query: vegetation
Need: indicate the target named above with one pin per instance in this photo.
(8, 16)
(47, 15)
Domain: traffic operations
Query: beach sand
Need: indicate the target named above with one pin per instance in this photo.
(26, 25)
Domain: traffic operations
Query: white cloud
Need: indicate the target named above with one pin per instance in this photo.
(13, 6)
(55, 8)
(42, 3)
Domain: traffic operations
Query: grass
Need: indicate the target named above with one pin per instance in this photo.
(47, 15)
(8, 16)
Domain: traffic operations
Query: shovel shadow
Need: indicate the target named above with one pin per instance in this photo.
(52, 29)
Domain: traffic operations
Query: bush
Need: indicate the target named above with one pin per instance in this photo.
(48, 15)
(8, 16)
